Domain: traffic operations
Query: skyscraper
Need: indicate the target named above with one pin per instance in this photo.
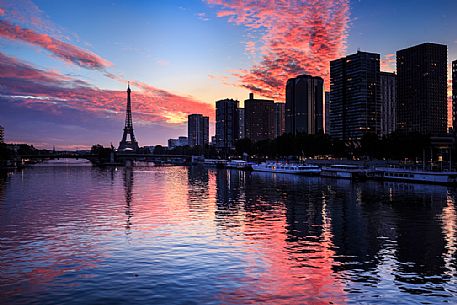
(454, 95)
(2, 134)
(197, 130)
(355, 99)
(227, 123)
(304, 104)
(259, 119)
(422, 89)
(241, 122)
(388, 102)
(327, 112)
(280, 119)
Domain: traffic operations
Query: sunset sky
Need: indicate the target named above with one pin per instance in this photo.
(64, 65)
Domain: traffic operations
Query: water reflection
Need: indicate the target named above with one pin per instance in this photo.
(222, 236)
(198, 190)
(3, 180)
(364, 231)
(128, 186)
(289, 255)
(420, 242)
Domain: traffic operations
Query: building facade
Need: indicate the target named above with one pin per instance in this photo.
(181, 141)
(2, 134)
(197, 130)
(355, 97)
(304, 105)
(241, 122)
(422, 89)
(172, 143)
(259, 119)
(327, 112)
(454, 95)
(227, 123)
(280, 119)
(388, 103)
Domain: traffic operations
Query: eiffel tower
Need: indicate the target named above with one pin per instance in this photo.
(132, 144)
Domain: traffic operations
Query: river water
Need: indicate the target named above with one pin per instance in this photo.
(190, 235)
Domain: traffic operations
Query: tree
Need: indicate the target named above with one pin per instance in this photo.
(5, 152)
(103, 153)
(371, 145)
(243, 146)
(159, 150)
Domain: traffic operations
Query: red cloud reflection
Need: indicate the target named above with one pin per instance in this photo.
(298, 272)
(62, 50)
(297, 37)
(50, 91)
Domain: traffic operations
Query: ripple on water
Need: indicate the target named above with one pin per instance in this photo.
(79, 235)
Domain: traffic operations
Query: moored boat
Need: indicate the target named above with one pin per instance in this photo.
(344, 171)
(215, 163)
(413, 175)
(239, 164)
(285, 168)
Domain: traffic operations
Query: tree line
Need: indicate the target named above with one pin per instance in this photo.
(395, 146)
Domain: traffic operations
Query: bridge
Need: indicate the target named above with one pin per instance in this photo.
(117, 158)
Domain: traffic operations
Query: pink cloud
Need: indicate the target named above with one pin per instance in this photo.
(297, 37)
(225, 13)
(60, 49)
(251, 48)
(389, 63)
(52, 91)
(28, 14)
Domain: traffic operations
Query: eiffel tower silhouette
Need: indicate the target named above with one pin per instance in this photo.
(132, 144)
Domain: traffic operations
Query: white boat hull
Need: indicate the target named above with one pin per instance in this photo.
(307, 171)
(346, 172)
(393, 174)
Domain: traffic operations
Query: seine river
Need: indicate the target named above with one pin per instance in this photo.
(191, 235)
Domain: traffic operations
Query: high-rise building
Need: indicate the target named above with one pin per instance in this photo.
(280, 119)
(355, 97)
(197, 130)
(304, 104)
(241, 122)
(2, 134)
(259, 119)
(454, 95)
(227, 123)
(173, 143)
(422, 89)
(327, 112)
(388, 102)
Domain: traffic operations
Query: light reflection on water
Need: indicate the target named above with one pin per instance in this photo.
(192, 235)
